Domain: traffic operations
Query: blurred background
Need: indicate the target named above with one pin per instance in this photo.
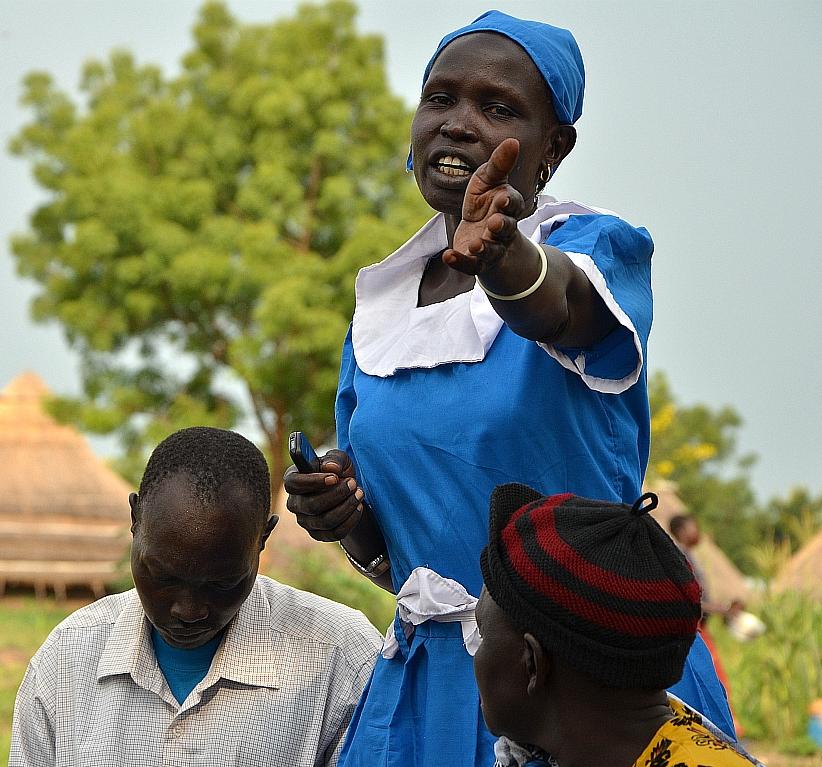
(187, 191)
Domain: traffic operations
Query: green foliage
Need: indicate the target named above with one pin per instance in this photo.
(311, 571)
(696, 447)
(802, 745)
(202, 232)
(775, 677)
(769, 556)
(795, 519)
(24, 624)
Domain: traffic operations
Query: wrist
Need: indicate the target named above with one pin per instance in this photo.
(374, 568)
(516, 278)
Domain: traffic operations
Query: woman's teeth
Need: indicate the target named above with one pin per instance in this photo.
(453, 166)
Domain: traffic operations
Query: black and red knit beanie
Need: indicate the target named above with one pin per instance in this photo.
(600, 584)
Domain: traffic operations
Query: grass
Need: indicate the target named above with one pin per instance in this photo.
(768, 755)
(24, 624)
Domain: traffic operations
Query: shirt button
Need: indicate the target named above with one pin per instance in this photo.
(177, 731)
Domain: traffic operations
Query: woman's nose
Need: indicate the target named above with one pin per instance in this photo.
(459, 128)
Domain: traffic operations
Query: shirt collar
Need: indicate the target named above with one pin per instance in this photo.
(244, 656)
(128, 649)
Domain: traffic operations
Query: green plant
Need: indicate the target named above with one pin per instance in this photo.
(200, 233)
(769, 556)
(776, 676)
(24, 624)
(312, 571)
(799, 746)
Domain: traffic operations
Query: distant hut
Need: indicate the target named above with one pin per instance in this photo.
(724, 581)
(670, 504)
(803, 571)
(64, 514)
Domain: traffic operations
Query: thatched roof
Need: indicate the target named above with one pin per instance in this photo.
(670, 504)
(725, 582)
(47, 468)
(64, 514)
(803, 571)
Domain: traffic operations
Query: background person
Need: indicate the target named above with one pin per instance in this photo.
(205, 661)
(686, 533)
(587, 615)
(505, 341)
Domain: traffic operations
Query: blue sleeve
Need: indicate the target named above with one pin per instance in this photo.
(346, 396)
(701, 689)
(616, 258)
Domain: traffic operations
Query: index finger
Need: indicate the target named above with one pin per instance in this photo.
(500, 163)
(308, 484)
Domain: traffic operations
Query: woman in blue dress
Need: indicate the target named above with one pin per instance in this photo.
(504, 342)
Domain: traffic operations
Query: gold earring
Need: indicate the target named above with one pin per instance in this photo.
(544, 178)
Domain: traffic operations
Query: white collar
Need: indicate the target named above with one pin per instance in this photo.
(244, 656)
(390, 332)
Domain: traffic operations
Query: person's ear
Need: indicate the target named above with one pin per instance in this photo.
(134, 503)
(537, 664)
(270, 524)
(561, 140)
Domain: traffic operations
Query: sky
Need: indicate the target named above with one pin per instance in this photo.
(702, 122)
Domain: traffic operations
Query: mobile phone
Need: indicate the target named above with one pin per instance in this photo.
(302, 454)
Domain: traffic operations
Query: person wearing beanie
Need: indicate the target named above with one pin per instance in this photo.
(505, 341)
(587, 614)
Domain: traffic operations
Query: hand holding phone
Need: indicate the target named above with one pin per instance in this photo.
(323, 492)
(302, 454)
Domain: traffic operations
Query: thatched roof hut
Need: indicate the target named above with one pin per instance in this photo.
(64, 514)
(724, 581)
(803, 571)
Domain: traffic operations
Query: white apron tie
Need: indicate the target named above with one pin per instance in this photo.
(426, 595)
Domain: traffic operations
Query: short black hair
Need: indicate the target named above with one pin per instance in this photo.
(211, 457)
(678, 523)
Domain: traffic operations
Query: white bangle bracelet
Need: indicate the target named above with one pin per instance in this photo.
(527, 292)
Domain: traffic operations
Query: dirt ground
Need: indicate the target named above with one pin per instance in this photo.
(770, 757)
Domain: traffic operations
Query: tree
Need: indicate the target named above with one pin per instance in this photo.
(696, 447)
(793, 520)
(202, 232)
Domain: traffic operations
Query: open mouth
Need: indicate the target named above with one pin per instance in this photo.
(453, 166)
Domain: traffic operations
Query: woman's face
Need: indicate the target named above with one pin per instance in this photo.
(483, 88)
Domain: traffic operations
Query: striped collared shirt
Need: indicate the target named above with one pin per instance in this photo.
(280, 691)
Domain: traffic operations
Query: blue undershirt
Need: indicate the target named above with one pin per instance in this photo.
(183, 668)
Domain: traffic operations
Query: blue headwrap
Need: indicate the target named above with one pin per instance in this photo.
(553, 50)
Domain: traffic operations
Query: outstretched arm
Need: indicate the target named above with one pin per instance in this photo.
(564, 308)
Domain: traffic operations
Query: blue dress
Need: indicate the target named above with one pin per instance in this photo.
(430, 443)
